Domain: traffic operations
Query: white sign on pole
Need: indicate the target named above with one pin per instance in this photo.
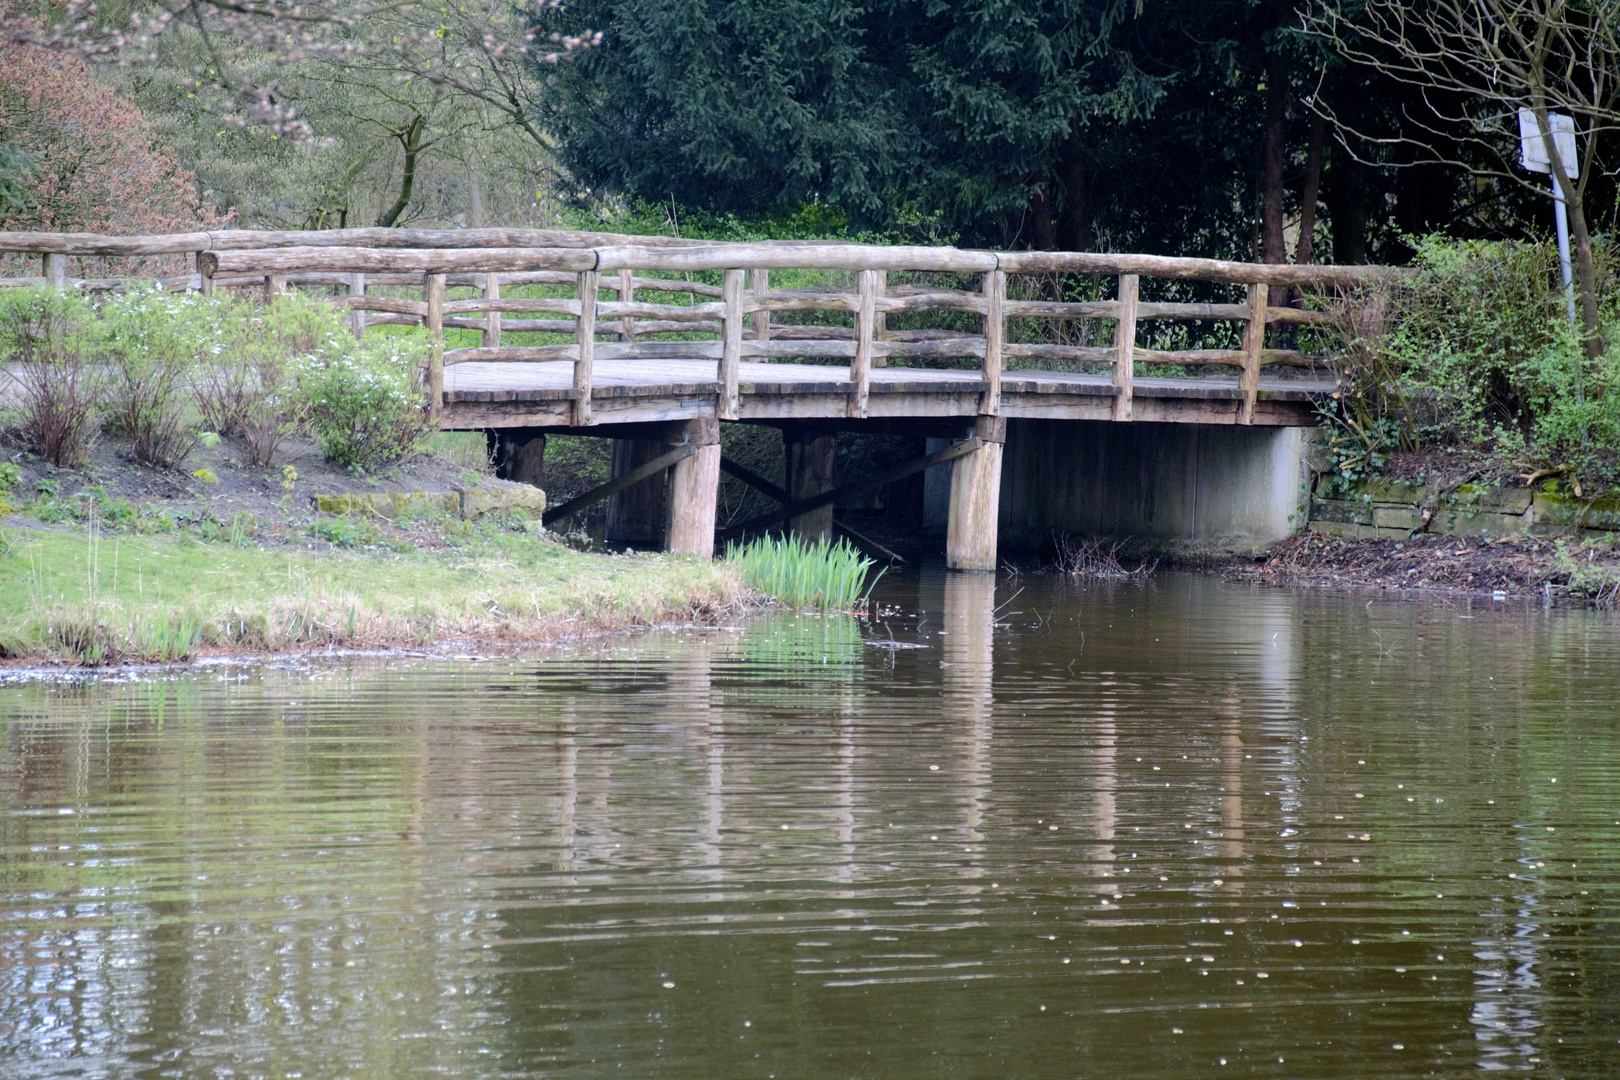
(1533, 148)
(1534, 157)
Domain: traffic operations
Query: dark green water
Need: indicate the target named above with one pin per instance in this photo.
(1180, 830)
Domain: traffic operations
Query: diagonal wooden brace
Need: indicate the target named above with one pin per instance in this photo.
(618, 484)
(826, 498)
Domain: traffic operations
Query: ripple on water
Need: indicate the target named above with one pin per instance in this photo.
(1152, 828)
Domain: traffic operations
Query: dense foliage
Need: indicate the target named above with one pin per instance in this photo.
(164, 369)
(1177, 127)
(1476, 350)
(77, 156)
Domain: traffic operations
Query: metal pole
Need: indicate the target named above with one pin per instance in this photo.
(1561, 216)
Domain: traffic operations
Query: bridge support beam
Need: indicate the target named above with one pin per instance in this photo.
(694, 490)
(811, 471)
(635, 516)
(975, 511)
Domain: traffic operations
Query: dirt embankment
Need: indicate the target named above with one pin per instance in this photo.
(1515, 566)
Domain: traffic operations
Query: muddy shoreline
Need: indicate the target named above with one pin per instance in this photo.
(1505, 568)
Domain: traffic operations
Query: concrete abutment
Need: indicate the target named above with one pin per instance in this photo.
(1024, 482)
(1206, 483)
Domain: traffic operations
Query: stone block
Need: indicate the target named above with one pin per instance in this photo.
(1554, 512)
(1342, 510)
(1344, 530)
(389, 504)
(1381, 490)
(1477, 523)
(1486, 497)
(476, 502)
(1404, 518)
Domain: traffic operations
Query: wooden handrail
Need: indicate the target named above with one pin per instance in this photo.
(488, 258)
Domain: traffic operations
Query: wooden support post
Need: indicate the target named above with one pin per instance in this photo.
(760, 284)
(357, 317)
(731, 351)
(56, 271)
(585, 341)
(694, 490)
(519, 457)
(860, 366)
(635, 515)
(995, 327)
(1254, 343)
(274, 285)
(880, 322)
(433, 297)
(492, 319)
(205, 283)
(970, 534)
(627, 294)
(1125, 346)
(811, 459)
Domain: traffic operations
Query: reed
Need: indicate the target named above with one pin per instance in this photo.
(828, 576)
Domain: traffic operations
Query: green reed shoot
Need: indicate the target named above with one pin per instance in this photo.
(829, 576)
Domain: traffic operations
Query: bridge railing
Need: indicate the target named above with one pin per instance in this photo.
(737, 312)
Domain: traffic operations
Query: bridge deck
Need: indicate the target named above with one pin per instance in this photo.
(506, 394)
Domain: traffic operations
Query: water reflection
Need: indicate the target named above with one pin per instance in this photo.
(1125, 829)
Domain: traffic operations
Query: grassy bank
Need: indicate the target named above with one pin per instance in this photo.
(89, 597)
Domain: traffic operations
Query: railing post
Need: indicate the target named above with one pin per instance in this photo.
(880, 326)
(627, 294)
(433, 297)
(492, 319)
(760, 284)
(585, 342)
(205, 284)
(1125, 345)
(731, 351)
(860, 365)
(56, 267)
(1254, 343)
(995, 328)
(357, 316)
(274, 285)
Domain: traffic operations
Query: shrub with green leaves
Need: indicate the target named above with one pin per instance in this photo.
(152, 341)
(366, 403)
(1476, 349)
(48, 345)
(10, 477)
(246, 381)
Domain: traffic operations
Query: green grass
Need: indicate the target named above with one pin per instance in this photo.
(81, 596)
(815, 575)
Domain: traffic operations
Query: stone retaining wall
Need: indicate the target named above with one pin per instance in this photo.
(1395, 509)
(466, 503)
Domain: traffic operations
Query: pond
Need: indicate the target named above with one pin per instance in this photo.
(1010, 828)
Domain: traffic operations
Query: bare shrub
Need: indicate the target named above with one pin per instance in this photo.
(1097, 559)
(47, 347)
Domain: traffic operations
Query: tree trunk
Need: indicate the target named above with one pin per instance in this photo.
(1045, 238)
(1347, 202)
(1073, 235)
(1585, 269)
(1313, 188)
(1273, 246)
(410, 140)
(475, 196)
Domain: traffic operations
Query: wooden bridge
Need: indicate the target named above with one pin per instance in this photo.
(744, 352)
